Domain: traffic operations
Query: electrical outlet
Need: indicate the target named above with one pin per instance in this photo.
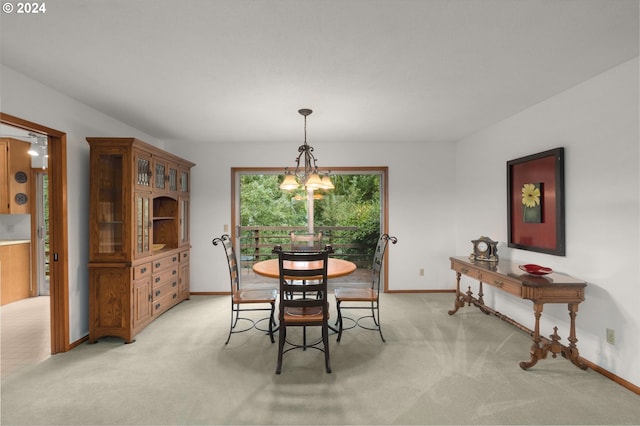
(611, 336)
(226, 228)
(422, 272)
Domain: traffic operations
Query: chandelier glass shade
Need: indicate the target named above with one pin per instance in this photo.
(306, 172)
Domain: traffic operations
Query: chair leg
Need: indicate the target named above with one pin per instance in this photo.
(339, 321)
(304, 338)
(281, 340)
(232, 323)
(272, 322)
(325, 341)
(376, 319)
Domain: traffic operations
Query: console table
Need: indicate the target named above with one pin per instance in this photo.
(551, 288)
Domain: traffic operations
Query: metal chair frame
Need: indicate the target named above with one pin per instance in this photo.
(369, 295)
(240, 297)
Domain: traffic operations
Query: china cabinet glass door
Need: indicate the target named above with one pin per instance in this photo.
(110, 205)
(143, 171)
(172, 178)
(143, 227)
(160, 175)
(184, 221)
(184, 181)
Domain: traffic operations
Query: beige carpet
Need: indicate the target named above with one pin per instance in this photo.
(434, 369)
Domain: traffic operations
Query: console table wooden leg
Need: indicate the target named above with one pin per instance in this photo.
(571, 352)
(459, 302)
(481, 305)
(537, 352)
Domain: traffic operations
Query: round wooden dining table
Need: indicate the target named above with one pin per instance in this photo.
(335, 268)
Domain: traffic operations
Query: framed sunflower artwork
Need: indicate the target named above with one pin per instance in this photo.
(535, 202)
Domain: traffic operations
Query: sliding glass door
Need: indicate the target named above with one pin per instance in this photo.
(351, 216)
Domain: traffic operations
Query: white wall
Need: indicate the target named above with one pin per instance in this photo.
(597, 123)
(421, 203)
(32, 101)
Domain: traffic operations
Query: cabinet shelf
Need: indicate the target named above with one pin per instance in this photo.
(164, 218)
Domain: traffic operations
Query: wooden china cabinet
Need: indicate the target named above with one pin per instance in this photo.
(138, 235)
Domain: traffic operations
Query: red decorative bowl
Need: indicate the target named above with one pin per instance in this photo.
(535, 269)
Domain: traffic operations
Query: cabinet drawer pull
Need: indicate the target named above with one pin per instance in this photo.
(157, 293)
(498, 283)
(175, 271)
(158, 265)
(157, 306)
(174, 259)
(175, 295)
(158, 279)
(184, 254)
(143, 270)
(173, 284)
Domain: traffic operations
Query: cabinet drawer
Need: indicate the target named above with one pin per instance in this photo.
(165, 302)
(165, 262)
(141, 271)
(473, 273)
(184, 256)
(165, 276)
(503, 284)
(162, 289)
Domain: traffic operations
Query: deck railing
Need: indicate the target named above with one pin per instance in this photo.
(257, 242)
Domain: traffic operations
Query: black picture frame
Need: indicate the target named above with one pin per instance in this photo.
(541, 178)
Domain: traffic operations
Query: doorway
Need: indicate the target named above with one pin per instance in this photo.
(58, 235)
(40, 238)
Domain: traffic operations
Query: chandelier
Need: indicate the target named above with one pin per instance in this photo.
(305, 175)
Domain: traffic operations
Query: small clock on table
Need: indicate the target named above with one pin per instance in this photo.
(484, 249)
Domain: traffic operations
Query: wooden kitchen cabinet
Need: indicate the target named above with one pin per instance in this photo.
(15, 271)
(138, 235)
(15, 173)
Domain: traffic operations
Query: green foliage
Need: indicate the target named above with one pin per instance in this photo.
(262, 203)
(354, 202)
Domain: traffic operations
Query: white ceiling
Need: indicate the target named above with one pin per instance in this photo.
(372, 70)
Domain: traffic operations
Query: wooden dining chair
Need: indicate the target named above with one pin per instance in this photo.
(306, 242)
(301, 273)
(364, 298)
(246, 300)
